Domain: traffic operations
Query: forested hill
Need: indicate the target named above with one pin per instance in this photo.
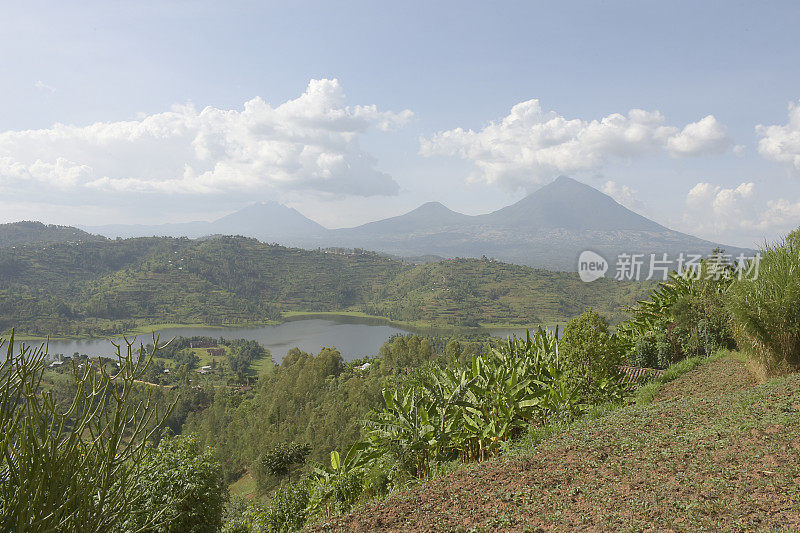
(106, 287)
(29, 232)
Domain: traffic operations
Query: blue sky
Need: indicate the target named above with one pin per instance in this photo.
(120, 78)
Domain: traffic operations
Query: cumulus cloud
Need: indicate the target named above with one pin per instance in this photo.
(623, 194)
(782, 143)
(532, 146)
(706, 136)
(309, 143)
(717, 210)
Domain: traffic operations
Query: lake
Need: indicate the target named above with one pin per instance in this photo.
(353, 337)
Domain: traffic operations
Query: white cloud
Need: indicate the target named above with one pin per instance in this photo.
(532, 146)
(309, 143)
(782, 214)
(782, 143)
(623, 194)
(717, 210)
(706, 136)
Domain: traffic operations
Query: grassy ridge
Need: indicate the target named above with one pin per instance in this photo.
(712, 451)
(98, 288)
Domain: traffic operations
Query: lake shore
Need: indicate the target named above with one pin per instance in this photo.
(416, 326)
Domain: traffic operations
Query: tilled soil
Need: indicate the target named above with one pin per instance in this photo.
(713, 452)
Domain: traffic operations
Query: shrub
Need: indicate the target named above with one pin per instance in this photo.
(182, 482)
(287, 511)
(278, 461)
(243, 516)
(766, 310)
(591, 353)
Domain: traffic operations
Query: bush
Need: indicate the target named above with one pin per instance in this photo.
(243, 516)
(278, 461)
(766, 310)
(184, 484)
(591, 352)
(287, 511)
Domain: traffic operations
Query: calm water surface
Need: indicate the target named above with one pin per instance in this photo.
(353, 337)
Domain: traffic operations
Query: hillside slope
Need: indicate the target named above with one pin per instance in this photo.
(713, 452)
(30, 232)
(106, 287)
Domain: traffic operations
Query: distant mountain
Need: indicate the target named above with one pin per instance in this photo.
(430, 216)
(267, 222)
(29, 232)
(548, 228)
(569, 204)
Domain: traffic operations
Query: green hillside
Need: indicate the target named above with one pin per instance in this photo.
(97, 288)
(30, 232)
(712, 452)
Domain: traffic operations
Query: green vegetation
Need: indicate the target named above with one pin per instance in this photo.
(424, 405)
(766, 310)
(713, 452)
(29, 232)
(181, 484)
(75, 462)
(530, 432)
(189, 353)
(278, 461)
(684, 317)
(592, 355)
(106, 288)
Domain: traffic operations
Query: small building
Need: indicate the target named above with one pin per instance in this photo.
(166, 370)
(205, 370)
(363, 367)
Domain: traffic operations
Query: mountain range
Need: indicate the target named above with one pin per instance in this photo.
(548, 228)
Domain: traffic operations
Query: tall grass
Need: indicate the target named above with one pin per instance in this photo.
(766, 310)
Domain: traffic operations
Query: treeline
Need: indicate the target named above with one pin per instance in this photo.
(102, 288)
(318, 400)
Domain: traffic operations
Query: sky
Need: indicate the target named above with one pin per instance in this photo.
(149, 112)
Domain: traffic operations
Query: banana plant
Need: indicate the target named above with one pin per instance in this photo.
(404, 428)
(338, 486)
(469, 412)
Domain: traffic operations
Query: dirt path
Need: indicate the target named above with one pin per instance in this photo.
(714, 452)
